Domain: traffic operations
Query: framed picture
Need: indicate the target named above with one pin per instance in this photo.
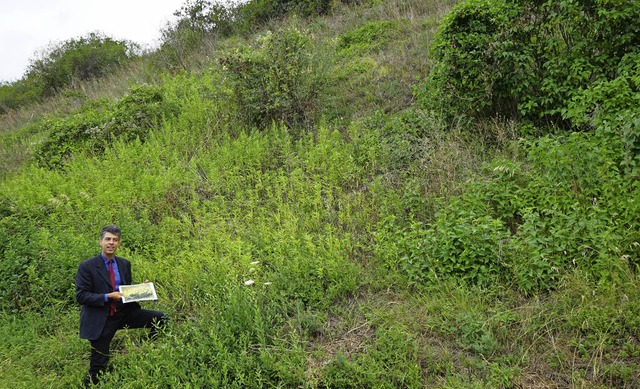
(138, 292)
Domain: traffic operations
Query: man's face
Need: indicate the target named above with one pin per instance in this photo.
(109, 244)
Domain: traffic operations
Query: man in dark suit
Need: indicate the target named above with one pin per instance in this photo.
(103, 312)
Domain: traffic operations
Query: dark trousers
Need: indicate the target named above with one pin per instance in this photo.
(135, 318)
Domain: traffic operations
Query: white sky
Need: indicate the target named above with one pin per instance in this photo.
(28, 26)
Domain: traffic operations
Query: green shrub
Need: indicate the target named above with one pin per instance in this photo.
(197, 21)
(20, 93)
(257, 13)
(279, 81)
(206, 17)
(463, 243)
(531, 223)
(631, 142)
(607, 101)
(30, 249)
(100, 123)
(178, 43)
(17, 250)
(547, 61)
(65, 64)
(67, 136)
(472, 75)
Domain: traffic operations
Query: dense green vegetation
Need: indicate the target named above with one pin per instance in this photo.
(383, 194)
(64, 65)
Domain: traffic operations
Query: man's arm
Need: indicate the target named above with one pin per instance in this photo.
(85, 289)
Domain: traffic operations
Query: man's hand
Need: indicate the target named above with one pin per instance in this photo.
(115, 296)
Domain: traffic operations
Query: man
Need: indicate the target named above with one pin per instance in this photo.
(103, 312)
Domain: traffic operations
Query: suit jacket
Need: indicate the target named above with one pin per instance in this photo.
(92, 283)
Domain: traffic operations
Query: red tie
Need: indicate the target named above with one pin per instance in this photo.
(112, 276)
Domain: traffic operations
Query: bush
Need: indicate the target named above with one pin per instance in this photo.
(472, 74)
(65, 64)
(29, 251)
(206, 17)
(201, 19)
(256, 13)
(631, 141)
(547, 61)
(94, 128)
(530, 224)
(18, 94)
(197, 20)
(278, 81)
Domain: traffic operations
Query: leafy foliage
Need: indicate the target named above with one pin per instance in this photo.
(64, 65)
(257, 13)
(383, 246)
(93, 56)
(100, 124)
(206, 17)
(547, 61)
(20, 93)
(278, 81)
(531, 223)
(366, 38)
(630, 124)
(197, 20)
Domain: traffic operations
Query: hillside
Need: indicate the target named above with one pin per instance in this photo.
(376, 194)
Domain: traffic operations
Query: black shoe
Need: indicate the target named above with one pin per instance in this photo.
(90, 380)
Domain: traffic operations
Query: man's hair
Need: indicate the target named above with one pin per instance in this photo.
(115, 230)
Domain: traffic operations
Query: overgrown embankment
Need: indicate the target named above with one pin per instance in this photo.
(382, 198)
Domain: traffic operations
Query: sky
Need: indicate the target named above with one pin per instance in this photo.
(29, 26)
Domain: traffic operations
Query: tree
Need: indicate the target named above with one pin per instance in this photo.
(64, 64)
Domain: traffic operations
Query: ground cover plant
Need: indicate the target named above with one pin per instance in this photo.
(401, 194)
